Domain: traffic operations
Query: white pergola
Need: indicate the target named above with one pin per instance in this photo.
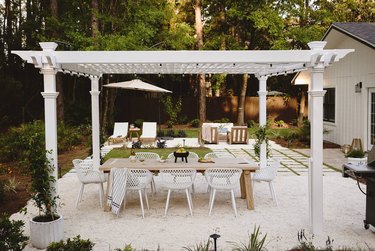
(263, 64)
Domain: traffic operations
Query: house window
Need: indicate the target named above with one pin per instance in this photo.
(329, 105)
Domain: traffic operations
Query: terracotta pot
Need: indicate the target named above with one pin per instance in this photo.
(43, 233)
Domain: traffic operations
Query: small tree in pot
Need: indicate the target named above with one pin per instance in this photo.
(47, 227)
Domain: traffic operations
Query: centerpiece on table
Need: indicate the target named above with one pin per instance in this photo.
(181, 153)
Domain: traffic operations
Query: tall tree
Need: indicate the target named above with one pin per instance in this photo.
(201, 77)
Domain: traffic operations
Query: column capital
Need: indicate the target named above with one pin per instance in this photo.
(317, 45)
(48, 46)
(314, 93)
(48, 71)
(94, 78)
(49, 95)
(94, 93)
(262, 93)
(319, 68)
(262, 78)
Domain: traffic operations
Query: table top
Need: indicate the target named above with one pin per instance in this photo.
(134, 129)
(155, 165)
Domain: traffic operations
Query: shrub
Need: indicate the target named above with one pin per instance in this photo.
(356, 154)
(11, 234)
(136, 144)
(67, 136)
(170, 123)
(160, 133)
(183, 119)
(207, 246)
(128, 247)
(71, 245)
(181, 134)
(255, 242)
(172, 109)
(279, 123)
(161, 144)
(138, 123)
(251, 123)
(305, 130)
(222, 120)
(170, 133)
(195, 123)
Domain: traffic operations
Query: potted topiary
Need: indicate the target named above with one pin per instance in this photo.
(356, 157)
(48, 226)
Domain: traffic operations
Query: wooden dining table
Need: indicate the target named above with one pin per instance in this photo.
(154, 166)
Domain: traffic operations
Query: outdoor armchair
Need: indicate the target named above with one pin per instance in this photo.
(237, 135)
(120, 132)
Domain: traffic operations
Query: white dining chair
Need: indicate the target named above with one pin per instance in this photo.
(86, 175)
(224, 179)
(178, 179)
(138, 180)
(268, 174)
(148, 155)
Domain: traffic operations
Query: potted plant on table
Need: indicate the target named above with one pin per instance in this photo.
(356, 157)
(48, 226)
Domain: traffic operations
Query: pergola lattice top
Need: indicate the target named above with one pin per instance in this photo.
(262, 63)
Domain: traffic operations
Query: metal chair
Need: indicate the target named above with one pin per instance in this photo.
(268, 174)
(87, 175)
(138, 180)
(226, 179)
(178, 179)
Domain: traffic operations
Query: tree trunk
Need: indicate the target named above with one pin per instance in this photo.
(301, 108)
(59, 80)
(94, 18)
(241, 101)
(202, 83)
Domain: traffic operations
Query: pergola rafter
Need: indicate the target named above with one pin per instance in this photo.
(262, 64)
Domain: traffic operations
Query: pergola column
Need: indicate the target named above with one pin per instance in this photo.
(316, 94)
(50, 116)
(95, 123)
(262, 93)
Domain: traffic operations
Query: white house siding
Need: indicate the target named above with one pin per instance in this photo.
(351, 108)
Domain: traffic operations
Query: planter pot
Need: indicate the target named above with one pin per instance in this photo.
(43, 233)
(357, 161)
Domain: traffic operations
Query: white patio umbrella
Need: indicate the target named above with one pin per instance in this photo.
(137, 84)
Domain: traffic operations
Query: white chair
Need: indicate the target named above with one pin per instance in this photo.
(138, 180)
(120, 132)
(210, 155)
(268, 174)
(178, 179)
(226, 179)
(148, 155)
(88, 176)
(148, 132)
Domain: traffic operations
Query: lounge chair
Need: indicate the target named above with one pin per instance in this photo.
(148, 132)
(120, 132)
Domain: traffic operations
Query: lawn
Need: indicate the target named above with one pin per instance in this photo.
(163, 152)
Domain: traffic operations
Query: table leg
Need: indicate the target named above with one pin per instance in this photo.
(249, 190)
(106, 206)
(242, 186)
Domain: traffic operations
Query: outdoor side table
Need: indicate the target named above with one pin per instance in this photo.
(135, 130)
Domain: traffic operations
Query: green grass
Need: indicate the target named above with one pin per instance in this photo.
(125, 152)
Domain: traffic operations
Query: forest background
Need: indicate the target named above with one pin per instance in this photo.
(154, 25)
